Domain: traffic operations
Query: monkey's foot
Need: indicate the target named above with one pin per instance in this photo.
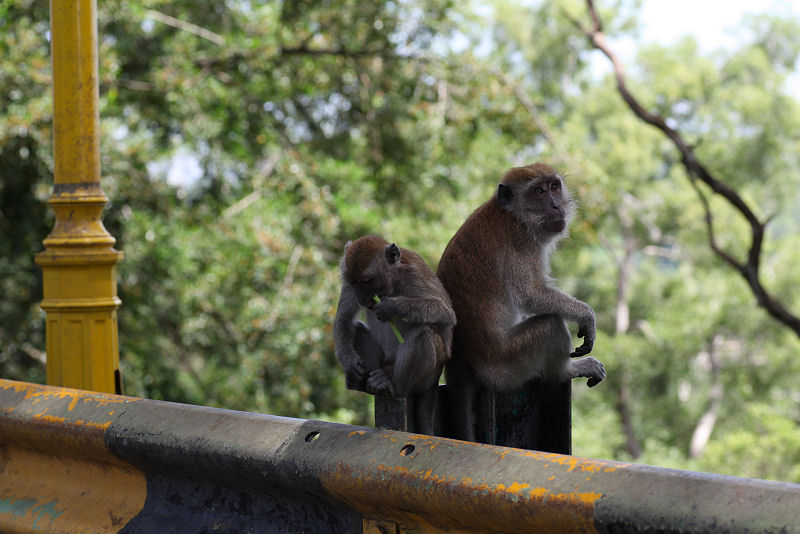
(355, 377)
(598, 373)
(588, 367)
(378, 383)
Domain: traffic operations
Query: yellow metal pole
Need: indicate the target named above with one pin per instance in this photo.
(79, 260)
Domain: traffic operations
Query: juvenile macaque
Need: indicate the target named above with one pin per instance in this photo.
(496, 270)
(402, 347)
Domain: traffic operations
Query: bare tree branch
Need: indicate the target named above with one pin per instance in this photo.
(305, 50)
(182, 25)
(712, 240)
(622, 324)
(623, 406)
(696, 170)
(706, 423)
(533, 110)
(243, 203)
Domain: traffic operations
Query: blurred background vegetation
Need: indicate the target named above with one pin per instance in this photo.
(245, 142)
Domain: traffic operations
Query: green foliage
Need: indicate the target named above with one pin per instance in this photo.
(765, 443)
(25, 163)
(311, 123)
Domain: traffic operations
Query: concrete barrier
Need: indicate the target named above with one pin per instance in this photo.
(74, 461)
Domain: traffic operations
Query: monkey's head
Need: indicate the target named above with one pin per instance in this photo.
(538, 197)
(368, 267)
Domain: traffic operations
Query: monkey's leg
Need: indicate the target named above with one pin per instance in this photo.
(370, 351)
(415, 368)
(368, 348)
(541, 346)
(549, 352)
(538, 347)
(425, 410)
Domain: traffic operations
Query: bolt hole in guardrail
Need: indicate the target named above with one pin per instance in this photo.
(407, 449)
(312, 436)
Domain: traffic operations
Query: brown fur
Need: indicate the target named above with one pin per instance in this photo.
(413, 297)
(496, 270)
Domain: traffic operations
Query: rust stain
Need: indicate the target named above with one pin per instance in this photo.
(38, 393)
(516, 487)
(94, 424)
(575, 462)
(40, 399)
(587, 498)
(442, 503)
(50, 418)
(54, 419)
(75, 421)
(431, 499)
(426, 441)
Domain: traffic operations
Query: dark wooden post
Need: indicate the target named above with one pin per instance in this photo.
(537, 416)
(393, 413)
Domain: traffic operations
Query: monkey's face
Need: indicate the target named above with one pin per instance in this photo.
(536, 195)
(367, 268)
(545, 203)
(365, 288)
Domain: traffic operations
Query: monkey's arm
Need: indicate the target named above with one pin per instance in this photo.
(415, 310)
(344, 335)
(546, 299)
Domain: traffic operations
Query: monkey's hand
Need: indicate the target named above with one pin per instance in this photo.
(355, 376)
(586, 330)
(387, 309)
(378, 383)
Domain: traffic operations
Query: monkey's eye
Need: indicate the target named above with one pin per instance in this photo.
(555, 186)
(539, 190)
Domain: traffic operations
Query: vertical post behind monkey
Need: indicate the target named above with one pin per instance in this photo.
(410, 298)
(496, 270)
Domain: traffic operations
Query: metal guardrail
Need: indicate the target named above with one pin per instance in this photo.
(75, 461)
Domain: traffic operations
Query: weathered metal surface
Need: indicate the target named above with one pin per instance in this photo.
(56, 473)
(79, 261)
(165, 467)
(223, 469)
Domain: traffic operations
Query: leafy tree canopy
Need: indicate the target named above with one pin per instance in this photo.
(311, 123)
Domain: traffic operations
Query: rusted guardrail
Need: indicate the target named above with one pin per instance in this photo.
(74, 461)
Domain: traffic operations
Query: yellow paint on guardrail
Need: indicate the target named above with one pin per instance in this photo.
(74, 461)
(437, 499)
(66, 494)
(56, 473)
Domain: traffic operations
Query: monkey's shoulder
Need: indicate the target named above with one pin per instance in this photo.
(409, 258)
(412, 265)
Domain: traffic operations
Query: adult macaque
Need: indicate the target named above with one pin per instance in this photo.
(496, 270)
(402, 347)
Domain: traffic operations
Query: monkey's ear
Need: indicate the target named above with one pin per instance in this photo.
(504, 194)
(347, 245)
(392, 253)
